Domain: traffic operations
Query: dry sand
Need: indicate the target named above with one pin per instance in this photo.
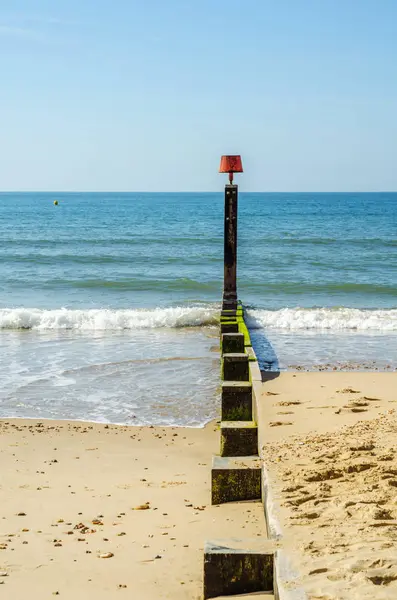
(329, 442)
(95, 511)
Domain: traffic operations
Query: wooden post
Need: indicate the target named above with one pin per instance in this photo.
(230, 249)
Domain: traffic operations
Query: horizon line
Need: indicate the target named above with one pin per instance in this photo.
(193, 192)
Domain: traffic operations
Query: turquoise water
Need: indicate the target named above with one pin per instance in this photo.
(96, 290)
(149, 250)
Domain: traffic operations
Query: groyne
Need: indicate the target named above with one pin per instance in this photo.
(237, 565)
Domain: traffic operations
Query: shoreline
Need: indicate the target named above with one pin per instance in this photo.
(294, 369)
(106, 423)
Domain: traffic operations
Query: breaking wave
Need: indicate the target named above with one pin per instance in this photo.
(330, 319)
(106, 319)
(288, 319)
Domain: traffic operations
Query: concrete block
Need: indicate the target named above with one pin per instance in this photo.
(251, 354)
(235, 479)
(235, 367)
(238, 567)
(229, 327)
(239, 438)
(236, 401)
(232, 343)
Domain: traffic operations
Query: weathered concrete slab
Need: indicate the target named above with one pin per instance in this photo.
(232, 343)
(255, 371)
(238, 567)
(235, 479)
(236, 401)
(251, 354)
(257, 388)
(235, 367)
(239, 438)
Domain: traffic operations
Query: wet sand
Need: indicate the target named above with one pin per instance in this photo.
(96, 511)
(329, 442)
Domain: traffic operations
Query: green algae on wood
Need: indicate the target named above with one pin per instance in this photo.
(232, 571)
(232, 343)
(233, 485)
(236, 401)
(239, 438)
(235, 367)
(242, 327)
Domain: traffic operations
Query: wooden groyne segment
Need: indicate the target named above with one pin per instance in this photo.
(236, 472)
(237, 566)
(236, 401)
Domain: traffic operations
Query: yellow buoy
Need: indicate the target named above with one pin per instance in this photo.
(56, 202)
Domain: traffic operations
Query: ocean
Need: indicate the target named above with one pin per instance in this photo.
(109, 301)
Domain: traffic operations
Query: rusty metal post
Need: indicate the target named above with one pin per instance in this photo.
(230, 249)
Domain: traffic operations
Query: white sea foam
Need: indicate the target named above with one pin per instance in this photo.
(338, 319)
(106, 319)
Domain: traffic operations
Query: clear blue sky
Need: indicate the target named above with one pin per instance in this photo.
(147, 94)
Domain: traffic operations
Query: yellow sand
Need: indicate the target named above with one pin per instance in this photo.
(90, 511)
(329, 441)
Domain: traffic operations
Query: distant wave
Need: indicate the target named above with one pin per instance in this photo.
(106, 319)
(181, 284)
(136, 240)
(338, 319)
(292, 288)
(178, 284)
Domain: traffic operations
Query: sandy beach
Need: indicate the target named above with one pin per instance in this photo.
(103, 511)
(329, 442)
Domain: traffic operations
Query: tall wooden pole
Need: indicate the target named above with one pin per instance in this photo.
(230, 249)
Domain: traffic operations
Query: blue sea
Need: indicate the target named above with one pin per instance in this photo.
(109, 301)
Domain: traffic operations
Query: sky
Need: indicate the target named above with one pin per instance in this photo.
(146, 95)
